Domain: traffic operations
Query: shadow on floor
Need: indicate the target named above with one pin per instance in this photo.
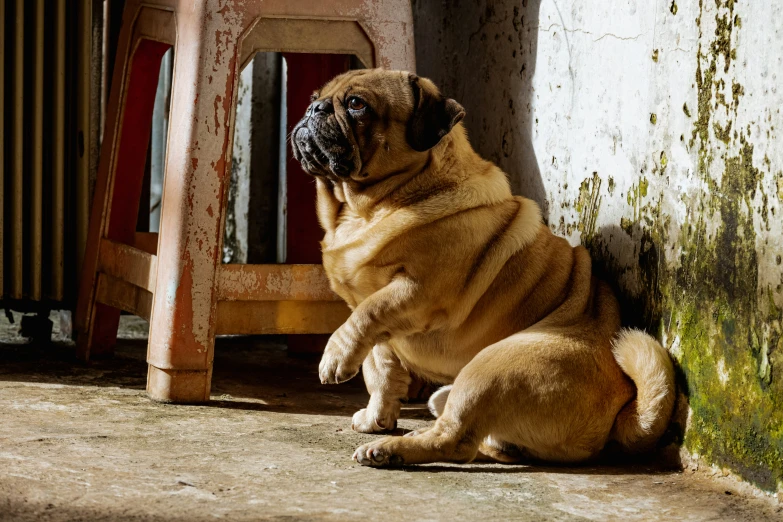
(257, 374)
(249, 373)
(604, 467)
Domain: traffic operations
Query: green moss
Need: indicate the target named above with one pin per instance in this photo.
(643, 186)
(634, 198)
(725, 329)
(627, 225)
(714, 300)
(723, 133)
(704, 80)
(736, 91)
(716, 306)
(655, 56)
(673, 8)
(710, 304)
(653, 118)
(686, 110)
(588, 204)
(722, 43)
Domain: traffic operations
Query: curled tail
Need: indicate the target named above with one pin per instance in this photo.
(642, 421)
(437, 402)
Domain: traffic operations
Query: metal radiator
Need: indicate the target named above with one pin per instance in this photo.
(49, 125)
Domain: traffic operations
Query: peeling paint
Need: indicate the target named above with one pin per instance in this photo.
(707, 294)
(183, 312)
(277, 282)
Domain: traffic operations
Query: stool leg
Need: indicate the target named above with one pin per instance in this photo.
(182, 329)
(118, 188)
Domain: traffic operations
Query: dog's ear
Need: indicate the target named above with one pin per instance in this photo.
(433, 115)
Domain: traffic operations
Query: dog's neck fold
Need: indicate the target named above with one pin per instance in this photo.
(452, 178)
(444, 167)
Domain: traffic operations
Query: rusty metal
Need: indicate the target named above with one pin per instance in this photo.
(187, 311)
(2, 142)
(56, 291)
(40, 151)
(83, 121)
(15, 199)
(105, 50)
(36, 181)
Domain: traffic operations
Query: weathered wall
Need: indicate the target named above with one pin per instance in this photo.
(650, 132)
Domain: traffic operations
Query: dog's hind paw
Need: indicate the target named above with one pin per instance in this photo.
(376, 455)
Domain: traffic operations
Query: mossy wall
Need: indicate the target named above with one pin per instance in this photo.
(649, 132)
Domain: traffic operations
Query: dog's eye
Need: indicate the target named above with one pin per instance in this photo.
(356, 104)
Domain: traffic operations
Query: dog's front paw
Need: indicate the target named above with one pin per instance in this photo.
(337, 364)
(366, 421)
(378, 454)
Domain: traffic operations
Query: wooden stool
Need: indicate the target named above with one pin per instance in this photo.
(175, 279)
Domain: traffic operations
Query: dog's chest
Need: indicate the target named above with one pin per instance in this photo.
(354, 263)
(354, 282)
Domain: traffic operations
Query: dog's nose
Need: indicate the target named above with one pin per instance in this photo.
(324, 106)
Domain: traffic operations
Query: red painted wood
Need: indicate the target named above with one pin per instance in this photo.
(306, 73)
(134, 139)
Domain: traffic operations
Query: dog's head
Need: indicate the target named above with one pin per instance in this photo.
(367, 125)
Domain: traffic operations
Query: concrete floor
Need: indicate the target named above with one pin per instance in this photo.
(83, 442)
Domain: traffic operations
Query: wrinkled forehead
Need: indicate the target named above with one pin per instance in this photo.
(380, 88)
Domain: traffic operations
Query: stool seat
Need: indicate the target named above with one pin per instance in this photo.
(176, 279)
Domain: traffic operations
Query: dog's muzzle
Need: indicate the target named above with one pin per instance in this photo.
(320, 146)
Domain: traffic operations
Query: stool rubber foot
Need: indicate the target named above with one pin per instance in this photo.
(178, 386)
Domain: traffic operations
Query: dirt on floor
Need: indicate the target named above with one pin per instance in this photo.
(83, 442)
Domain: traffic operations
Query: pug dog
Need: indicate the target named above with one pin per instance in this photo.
(452, 278)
